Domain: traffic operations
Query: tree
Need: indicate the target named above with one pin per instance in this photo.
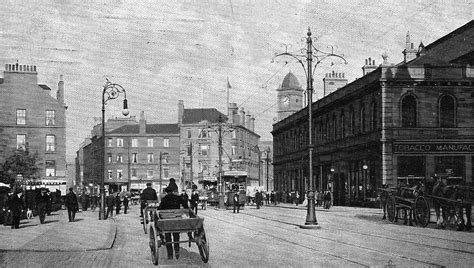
(20, 162)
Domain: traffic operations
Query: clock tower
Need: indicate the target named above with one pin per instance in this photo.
(289, 96)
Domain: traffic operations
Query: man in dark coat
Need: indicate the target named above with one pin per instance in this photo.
(258, 199)
(172, 201)
(71, 204)
(16, 205)
(235, 199)
(42, 200)
(193, 202)
(125, 204)
(147, 194)
(110, 202)
(118, 202)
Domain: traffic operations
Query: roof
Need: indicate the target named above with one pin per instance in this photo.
(290, 82)
(194, 116)
(150, 129)
(455, 47)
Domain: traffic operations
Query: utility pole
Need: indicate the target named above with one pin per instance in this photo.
(267, 159)
(191, 162)
(161, 171)
(259, 165)
(221, 190)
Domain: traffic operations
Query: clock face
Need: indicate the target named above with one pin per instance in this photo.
(285, 100)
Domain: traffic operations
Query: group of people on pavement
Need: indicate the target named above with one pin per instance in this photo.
(115, 201)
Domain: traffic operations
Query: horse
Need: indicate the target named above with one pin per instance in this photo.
(444, 198)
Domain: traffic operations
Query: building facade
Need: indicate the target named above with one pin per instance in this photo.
(200, 144)
(396, 124)
(31, 119)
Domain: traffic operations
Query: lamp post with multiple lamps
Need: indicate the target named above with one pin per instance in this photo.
(111, 91)
(301, 56)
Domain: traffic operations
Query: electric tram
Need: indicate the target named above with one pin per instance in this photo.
(235, 181)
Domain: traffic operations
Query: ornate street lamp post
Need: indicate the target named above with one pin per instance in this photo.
(300, 56)
(111, 91)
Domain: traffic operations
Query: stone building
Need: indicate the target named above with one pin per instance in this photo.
(31, 119)
(396, 124)
(200, 140)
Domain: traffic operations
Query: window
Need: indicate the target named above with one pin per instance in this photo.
(234, 134)
(166, 142)
(119, 158)
(373, 117)
(134, 143)
(119, 142)
(203, 133)
(165, 158)
(149, 142)
(234, 150)
(119, 174)
(50, 117)
(452, 166)
(150, 158)
(134, 157)
(343, 126)
(134, 173)
(189, 133)
(109, 142)
(411, 166)
(149, 174)
(351, 122)
(50, 143)
(334, 127)
(20, 116)
(166, 173)
(50, 168)
(447, 111)
(109, 158)
(362, 119)
(21, 142)
(409, 111)
(109, 174)
(203, 149)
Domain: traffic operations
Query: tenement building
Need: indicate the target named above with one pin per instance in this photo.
(31, 119)
(396, 124)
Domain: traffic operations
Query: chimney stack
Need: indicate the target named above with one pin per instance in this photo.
(142, 123)
(242, 117)
(180, 111)
(60, 92)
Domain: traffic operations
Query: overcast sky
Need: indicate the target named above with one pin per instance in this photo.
(164, 51)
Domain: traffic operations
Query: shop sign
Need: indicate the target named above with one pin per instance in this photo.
(433, 147)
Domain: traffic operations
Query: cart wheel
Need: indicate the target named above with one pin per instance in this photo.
(391, 208)
(422, 211)
(154, 246)
(203, 245)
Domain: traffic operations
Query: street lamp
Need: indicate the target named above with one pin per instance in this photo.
(311, 221)
(364, 183)
(111, 91)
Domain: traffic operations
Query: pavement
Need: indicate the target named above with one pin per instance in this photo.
(58, 234)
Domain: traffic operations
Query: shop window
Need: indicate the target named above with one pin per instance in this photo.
(451, 166)
(409, 111)
(411, 166)
(447, 111)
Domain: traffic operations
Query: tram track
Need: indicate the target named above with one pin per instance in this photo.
(393, 255)
(394, 239)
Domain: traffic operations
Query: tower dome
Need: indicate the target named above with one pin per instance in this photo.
(290, 82)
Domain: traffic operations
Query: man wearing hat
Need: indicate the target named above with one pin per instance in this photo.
(16, 205)
(42, 202)
(147, 194)
(172, 201)
(71, 204)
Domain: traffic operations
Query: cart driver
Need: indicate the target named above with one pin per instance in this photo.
(147, 194)
(172, 200)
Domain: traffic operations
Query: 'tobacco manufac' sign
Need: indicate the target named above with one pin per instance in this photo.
(433, 147)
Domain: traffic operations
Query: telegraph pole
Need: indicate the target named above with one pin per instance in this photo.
(267, 159)
(221, 190)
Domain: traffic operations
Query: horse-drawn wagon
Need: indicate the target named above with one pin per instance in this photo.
(450, 202)
(177, 221)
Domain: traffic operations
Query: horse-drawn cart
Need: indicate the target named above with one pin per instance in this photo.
(177, 221)
(147, 213)
(409, 200)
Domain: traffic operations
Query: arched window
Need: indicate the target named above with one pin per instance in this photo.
(362, 119)
(343, 126)
(351, 122)
(409, 111)
(447, 111)
(334, 126)
(373, 116)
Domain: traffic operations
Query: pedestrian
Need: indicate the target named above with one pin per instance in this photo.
(193, 202)
(297, 198)
(267, 198)
(272, 198)
(258, 199)
(125, 204)
(236, 202)
(71, 204)
(94, 202)
(110, 202)
(318, 198)
(148, 194)
(16, 206)
(117, 204)
(41, 204)
(327, 199)
(172, 201)
(49, 205)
